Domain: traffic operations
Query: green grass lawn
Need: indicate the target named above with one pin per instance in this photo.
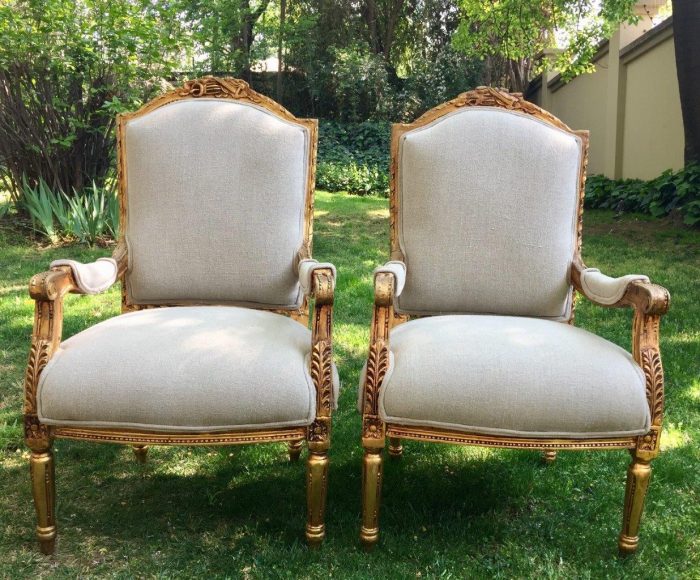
(447, 511)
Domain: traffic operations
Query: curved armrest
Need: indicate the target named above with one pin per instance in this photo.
(389, 281)
(605, 290)
(632, 290)
(92, 278)
(318, 281)
(306, 270)
(396, 269)
(48, 289)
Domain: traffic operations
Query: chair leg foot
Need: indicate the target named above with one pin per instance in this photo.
(44, 491)
(549, 456)
(141, 453)
(294, 449)
(638, 474)
(395, 447)
(316, 490)
(371, 496)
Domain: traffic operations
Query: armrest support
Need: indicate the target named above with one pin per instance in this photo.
(387, 279)
(650, 303)
(48, 290)
(321, 287)
(306, 270)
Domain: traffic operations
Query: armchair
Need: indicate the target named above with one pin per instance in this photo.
(472, 339)
(213, 346)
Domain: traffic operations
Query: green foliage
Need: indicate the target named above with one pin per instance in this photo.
(39, 202)
(354, 157)
(512, 34)
(66, 68)
(88, 216)
(679, 190)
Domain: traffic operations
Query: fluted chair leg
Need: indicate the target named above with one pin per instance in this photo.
(395, 447)
(549, 456)
(294, 449)
(141, 453)
(371, 496)
(638, 474)
(316, 490)
(44, 490)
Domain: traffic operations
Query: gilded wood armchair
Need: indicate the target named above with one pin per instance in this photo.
(472, 337)
(213, 347)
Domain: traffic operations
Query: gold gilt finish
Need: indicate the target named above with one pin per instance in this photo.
(649, 302)
(48, 289)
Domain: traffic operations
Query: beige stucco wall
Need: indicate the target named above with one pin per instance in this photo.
(652, 138)
(581, 105)
(630, 105)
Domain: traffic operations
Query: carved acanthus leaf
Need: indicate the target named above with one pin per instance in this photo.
(39, 355)
(322, 373)
(377, 366)
(654, 374)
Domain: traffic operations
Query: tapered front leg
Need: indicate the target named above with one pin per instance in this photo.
(294, 449)
(638, 474)
(42, 472)
(141, 453)
(316, 490)
(371, 495)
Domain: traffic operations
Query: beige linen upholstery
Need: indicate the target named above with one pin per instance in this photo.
(91, 278)
(502, 375)
(604, 289)
(216, 192)
(204, 368)
(487, 214)
(306, 270)
(398, 270)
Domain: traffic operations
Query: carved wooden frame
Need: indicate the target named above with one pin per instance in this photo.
(649, 301)
(49, 288)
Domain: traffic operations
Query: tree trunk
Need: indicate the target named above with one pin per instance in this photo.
(280, 47)
(686, 36)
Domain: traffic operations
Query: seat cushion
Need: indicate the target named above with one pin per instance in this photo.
(503, 375)
(207, 368)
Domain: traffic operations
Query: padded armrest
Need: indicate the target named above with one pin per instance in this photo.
(604, 289)
(398, 269)
(306, 270)
(91, 278)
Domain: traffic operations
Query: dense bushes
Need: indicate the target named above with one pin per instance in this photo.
(679, 190)
(354, 157)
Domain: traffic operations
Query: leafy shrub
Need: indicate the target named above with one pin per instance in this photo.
(88, 216)
(354, 157)
(679, 190)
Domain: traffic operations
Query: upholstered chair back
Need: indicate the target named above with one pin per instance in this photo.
(216, 183)
(485, 203)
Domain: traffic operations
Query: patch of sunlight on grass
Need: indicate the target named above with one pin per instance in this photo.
(694, 390)
(380, 213)
(673, 436)
(320, 212)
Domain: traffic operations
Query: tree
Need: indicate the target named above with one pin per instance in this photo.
(512, 35)
(224, 32)
(686, 36)
(66, 68)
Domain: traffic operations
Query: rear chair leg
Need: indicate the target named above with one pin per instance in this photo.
(549, 456)
(41, 465)
(638, 474)
(395, 447)
(141, 452)
(294, 449)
